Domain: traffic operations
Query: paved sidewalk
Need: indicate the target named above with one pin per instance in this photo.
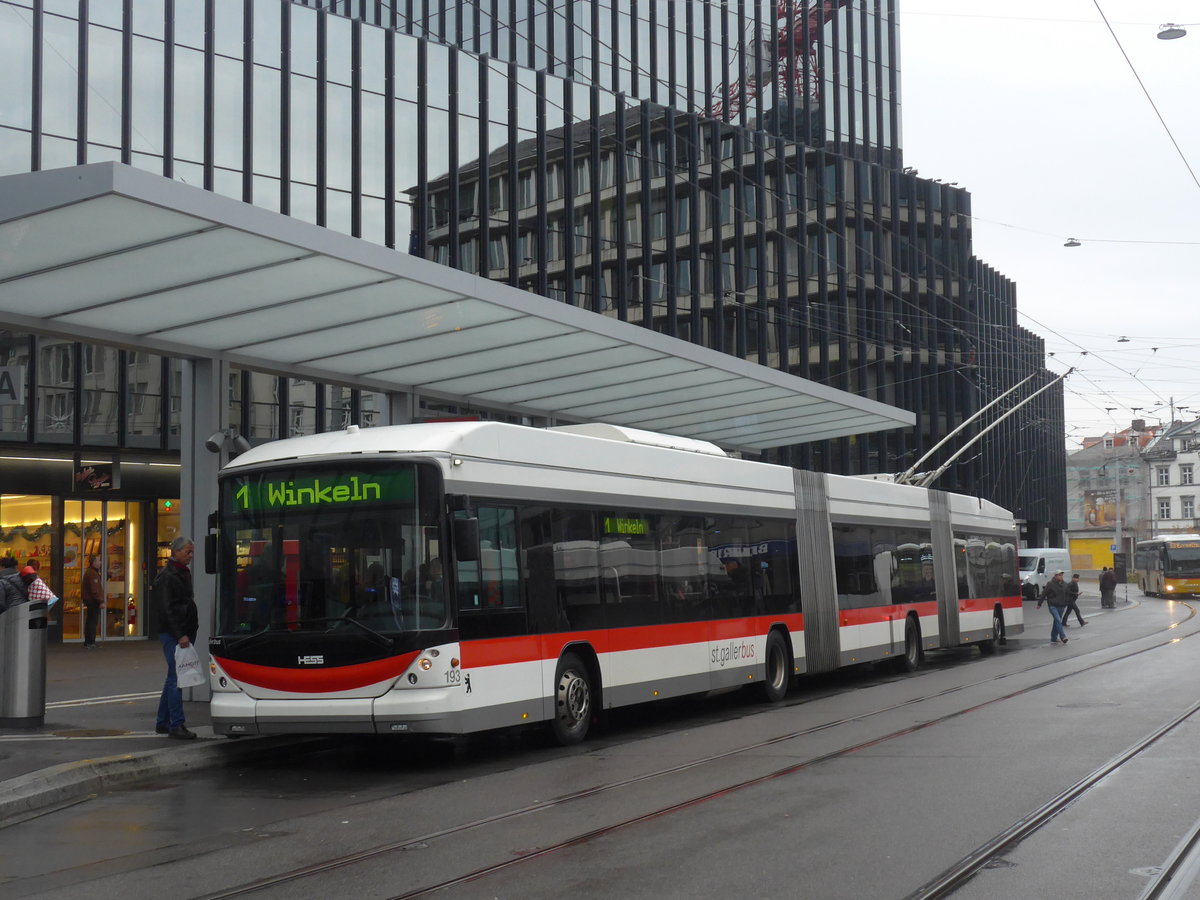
(99, 729)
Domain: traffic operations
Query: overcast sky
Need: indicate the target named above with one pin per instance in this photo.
(1031, 105)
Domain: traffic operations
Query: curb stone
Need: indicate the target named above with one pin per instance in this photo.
(72, 781)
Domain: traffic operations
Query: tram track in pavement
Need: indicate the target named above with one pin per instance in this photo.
(942, 886)
(1183, 859)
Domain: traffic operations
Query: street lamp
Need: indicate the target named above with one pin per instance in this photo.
(1119, 537)
(1170, 32)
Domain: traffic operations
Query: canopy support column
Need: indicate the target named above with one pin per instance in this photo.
(204, 414)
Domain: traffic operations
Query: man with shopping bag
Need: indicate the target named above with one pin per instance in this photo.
(180, 621)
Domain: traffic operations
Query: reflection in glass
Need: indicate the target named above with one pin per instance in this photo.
(143, 399)
(114, 620)
(101, 380)
(188, 121)
(56, 390)
(264, 406)
(14, 355)
(339, 407)
(302, 407)
(227, 117)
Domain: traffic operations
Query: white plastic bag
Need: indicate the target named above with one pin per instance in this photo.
(187, 667)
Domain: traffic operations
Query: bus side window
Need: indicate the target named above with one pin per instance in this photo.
(467, 580)
(489, 591)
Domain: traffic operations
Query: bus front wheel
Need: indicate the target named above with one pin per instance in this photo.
(572, 701)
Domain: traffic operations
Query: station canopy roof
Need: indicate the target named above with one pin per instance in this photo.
(109, 253)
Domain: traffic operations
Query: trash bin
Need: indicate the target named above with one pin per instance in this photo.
(23, 665)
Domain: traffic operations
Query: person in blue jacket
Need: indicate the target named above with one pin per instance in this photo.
(1055, 595)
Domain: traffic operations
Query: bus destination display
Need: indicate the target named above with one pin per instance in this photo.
(326, 489)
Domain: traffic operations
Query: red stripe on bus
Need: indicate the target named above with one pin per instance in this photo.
(987, 604)
(505, 651)
(317, 681)
(873, 615)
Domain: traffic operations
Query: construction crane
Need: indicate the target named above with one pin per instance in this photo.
(795, 53)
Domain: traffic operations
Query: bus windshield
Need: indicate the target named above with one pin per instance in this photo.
(1183, 560)
(316, 548)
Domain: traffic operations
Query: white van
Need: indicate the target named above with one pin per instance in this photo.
(1038, 565)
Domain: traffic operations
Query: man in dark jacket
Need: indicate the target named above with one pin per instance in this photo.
(92, 594)
(1055, 594)
(12, 588)
(1073, 602)
(179, 620)
(1108, 588)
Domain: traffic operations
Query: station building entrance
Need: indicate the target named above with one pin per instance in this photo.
(128, 537)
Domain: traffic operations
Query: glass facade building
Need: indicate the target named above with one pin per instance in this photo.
(728, 174)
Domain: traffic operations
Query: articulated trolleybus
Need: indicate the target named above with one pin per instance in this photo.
(453, 577)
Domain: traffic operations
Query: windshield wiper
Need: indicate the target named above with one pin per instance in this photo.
(237, 642)
(381, 639)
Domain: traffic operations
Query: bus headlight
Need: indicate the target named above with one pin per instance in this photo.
(425, 663)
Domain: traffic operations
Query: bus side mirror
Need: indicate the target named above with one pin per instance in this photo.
(466, 540)
(210, 554)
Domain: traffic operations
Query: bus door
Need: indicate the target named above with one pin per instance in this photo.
(502, 669)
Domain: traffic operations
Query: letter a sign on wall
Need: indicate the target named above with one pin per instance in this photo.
(12, 385)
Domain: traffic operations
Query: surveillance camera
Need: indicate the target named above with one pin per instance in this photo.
(215, 442)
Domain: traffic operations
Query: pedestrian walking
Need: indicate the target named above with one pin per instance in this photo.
(1108, 588)
(1073, 601)
(93, 597)
(180, 621)
(1055, 595)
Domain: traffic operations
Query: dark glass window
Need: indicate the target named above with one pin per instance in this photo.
(302, 407)
(15, 373)
(143, 399)
(264, 406)
(101, 392)
(56, 391)
(561, 558)
(629, 567)
(985, 567)
(856, 553)
(913, 579)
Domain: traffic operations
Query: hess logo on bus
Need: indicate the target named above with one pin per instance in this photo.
(311, 660)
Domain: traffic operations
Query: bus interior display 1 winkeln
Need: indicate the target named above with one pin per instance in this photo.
(453, 577)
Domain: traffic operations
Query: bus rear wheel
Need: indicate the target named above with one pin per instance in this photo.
(572, 701)
(779, 669)
(988, 647)
(911, 661)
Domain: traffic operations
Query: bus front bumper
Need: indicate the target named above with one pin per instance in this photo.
(396, 712)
